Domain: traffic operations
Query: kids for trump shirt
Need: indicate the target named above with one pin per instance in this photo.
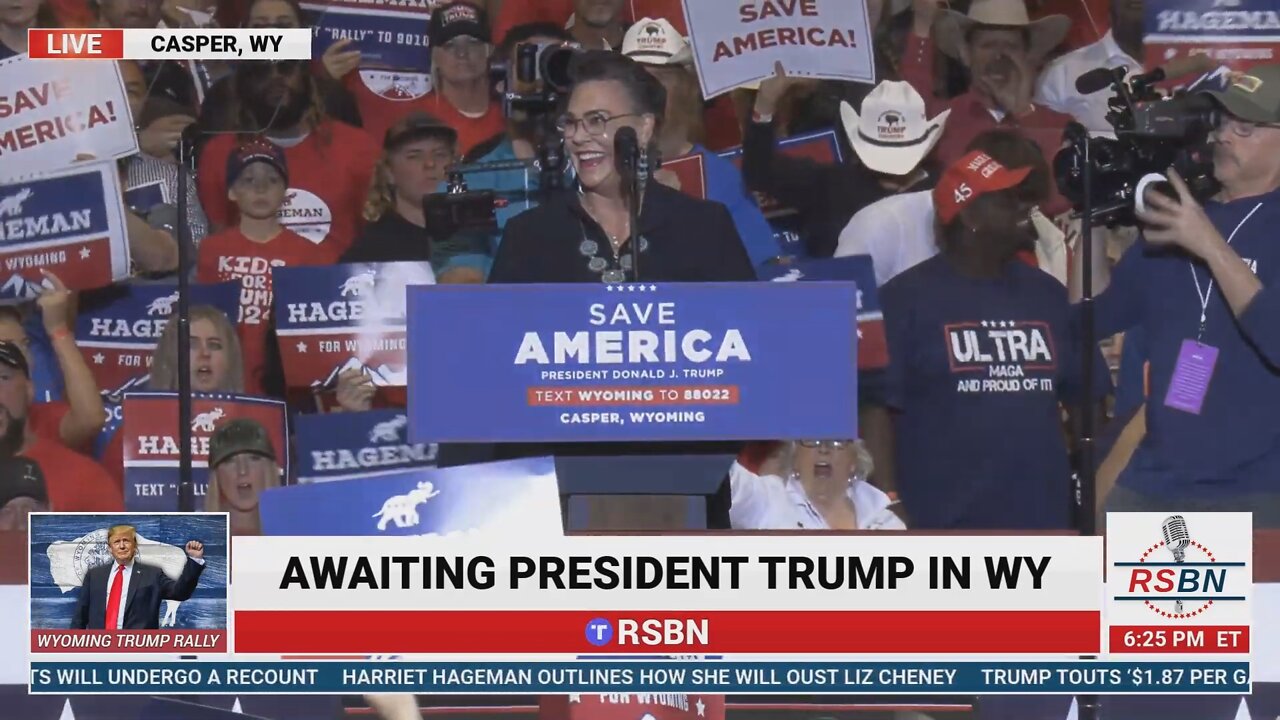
(329, 174)
(977, 368)
(230, 256)
(641, 706)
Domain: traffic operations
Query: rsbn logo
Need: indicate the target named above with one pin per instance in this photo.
(599, 632)
(1178, 575)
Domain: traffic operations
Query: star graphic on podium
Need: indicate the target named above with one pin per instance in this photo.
(84, 253)
(98, 358)
(302, 347)
(702, 708)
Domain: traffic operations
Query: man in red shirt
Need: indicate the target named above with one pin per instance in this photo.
(1003, 50)
(75, 483)
(331, 163)
(257, 179)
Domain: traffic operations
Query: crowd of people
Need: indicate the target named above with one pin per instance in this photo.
(946, 182)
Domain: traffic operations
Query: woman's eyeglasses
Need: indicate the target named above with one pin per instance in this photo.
(595, 123)
(832, 444)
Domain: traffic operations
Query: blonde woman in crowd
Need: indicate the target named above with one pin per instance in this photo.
(818, 485)
(216, 364)
(242, 463)
(216, 367)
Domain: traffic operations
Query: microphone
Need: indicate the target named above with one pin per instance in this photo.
(626, 151)
(1176, 539)
(1099, 79)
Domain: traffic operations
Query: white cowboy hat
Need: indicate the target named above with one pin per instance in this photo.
(656, 42)
(951, 27)
(893, 134)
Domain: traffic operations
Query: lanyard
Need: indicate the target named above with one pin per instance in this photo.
(1204, 295)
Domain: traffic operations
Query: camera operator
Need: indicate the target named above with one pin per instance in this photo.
(520, 140)
(1203, 285)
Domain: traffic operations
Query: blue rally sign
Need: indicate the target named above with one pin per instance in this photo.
(346, 445)
(873, 349)
(483, 498)
(672, 362)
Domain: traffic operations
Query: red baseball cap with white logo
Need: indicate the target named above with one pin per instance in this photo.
(971, 177)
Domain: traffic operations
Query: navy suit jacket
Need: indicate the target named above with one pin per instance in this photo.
(148, 585)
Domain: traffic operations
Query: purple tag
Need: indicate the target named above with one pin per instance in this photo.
(1190, 382)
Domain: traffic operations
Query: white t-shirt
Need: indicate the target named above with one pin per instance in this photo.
(897, 232)
(768, 502)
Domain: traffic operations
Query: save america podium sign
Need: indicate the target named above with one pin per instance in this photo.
(638, 362)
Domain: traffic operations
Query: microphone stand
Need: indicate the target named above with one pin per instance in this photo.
(1086, 491)
(635, 191)
(636, 177)
(186, 486)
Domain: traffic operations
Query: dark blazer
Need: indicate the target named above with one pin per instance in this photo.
(686, 240)
(147, 587)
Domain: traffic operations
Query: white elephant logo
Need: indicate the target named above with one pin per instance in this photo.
(403, 509)
(388, 431)
(356, 283)
(204, 421)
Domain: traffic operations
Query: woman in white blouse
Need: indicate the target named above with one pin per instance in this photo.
(824, 489)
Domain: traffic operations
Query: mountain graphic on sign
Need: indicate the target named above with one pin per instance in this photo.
(18, 286)
(382, 376)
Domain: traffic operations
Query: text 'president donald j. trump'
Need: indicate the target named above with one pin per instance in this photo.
(126, 594)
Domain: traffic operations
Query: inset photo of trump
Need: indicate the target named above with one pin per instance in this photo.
(129, 582)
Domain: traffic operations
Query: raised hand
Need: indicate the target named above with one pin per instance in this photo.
(339, 60)
(163, 135)
(195, 549)
(1180, 222)
(355, 391)
(55, 304)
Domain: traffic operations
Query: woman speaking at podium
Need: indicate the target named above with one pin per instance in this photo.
(584, 235)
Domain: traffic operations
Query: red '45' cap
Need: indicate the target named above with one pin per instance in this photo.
(971, 177)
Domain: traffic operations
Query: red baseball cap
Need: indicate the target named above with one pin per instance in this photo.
(971, 177)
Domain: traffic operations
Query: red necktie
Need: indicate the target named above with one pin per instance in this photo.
(113, 599)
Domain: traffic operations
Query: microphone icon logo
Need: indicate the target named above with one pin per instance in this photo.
(1176, 539)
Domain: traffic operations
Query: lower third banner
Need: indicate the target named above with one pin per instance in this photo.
(582, 363)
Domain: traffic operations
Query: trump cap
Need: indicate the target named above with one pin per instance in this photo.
(971, 177)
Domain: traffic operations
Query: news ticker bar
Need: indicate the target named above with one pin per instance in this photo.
(630, 676)
(152, 44)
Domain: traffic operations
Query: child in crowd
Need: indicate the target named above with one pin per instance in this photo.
(257, 180)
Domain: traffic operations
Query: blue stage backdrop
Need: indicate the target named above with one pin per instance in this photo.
(490, 497)
(64, 547)
(597, 362)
